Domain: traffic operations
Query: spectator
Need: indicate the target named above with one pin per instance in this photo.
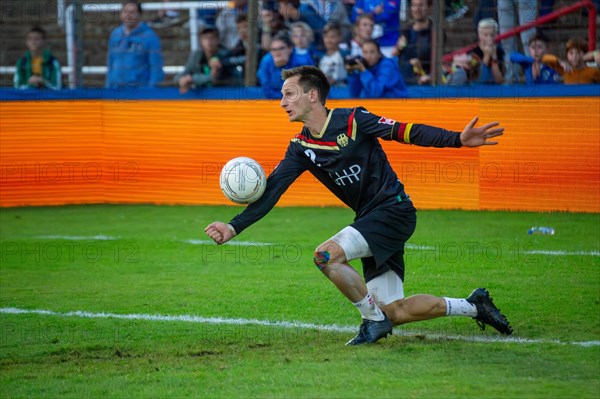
(303, 39)
(239, 51)
(226, 22)
(271, 24)
(386, 14)
(574, 70)
(536, 72)
(333, 11)
(374, 75)
(507, 19)
(134, 55)
(37, 69)
(281, 56)
(332, 63)
(487, 56)
(296, 11)
(413, 48)
(363, 30)
(205, 67)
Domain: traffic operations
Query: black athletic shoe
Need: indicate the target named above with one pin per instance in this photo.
(371, 331)
(487, 312)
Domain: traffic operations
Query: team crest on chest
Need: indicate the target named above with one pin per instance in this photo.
(342, 140)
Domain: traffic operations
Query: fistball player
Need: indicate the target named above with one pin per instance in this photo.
(341, 148)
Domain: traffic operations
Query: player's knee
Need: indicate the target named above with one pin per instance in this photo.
(321, 259)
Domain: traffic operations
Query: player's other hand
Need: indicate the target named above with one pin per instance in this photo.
(476, 136)
(219, 232)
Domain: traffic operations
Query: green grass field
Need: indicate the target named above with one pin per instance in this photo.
(141, 263)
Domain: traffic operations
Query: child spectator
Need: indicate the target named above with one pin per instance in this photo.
(134, 55)
(363, 30)
(332, 63)
(386, 14)
(205, 67)
(488, 57)
(536, 72)
(574, 70)
(37, 69)
(375, 76)
(303, 39)
(281, 56)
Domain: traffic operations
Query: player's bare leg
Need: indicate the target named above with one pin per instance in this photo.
(415, 308)
(330, 258)
(478, 305)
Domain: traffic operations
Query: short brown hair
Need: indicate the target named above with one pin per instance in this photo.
(576, 43)
(311, 77)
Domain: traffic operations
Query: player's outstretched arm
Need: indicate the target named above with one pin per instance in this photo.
(219, 232)
(477, 136)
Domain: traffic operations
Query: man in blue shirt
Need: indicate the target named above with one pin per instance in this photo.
(134, 55)
(375, 76)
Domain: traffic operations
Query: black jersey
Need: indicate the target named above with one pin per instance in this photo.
(348, 159)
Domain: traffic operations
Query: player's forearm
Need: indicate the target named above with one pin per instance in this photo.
(430, 136)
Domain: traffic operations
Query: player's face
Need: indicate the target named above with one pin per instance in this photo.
(294, 100)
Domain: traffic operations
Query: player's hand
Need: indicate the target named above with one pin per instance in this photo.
(476, 136)
(219, 232)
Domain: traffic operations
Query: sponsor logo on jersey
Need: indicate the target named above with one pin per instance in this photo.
(347, 176)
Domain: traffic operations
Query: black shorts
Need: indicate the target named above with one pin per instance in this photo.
(386, 230)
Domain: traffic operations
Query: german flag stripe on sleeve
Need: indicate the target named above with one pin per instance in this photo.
(401, 132)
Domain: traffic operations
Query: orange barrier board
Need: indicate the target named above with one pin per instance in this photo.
(171, 152)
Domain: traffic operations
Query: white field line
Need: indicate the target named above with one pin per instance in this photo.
(102, 237)
(99, 237)
(283, 324)
(234, 243)
(563, 253)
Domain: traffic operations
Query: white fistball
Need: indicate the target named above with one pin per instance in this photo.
(243, 180)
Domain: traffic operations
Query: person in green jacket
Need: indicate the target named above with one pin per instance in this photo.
(38, 68)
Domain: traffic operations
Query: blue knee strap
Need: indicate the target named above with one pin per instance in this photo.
(321, 259)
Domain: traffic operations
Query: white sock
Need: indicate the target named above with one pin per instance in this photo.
(368, 309)
(460, 307)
